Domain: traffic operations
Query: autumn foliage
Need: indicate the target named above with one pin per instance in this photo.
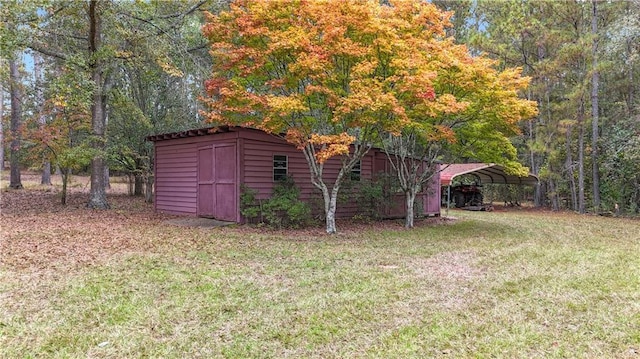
(63, 140)
(303, 68)
(334, 76)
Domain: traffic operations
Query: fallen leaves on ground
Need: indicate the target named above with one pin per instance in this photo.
(38, 232)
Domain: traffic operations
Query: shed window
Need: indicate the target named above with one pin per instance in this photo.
(280, 166)
(356, 171)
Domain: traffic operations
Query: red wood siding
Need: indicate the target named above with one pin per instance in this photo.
(258, 152)
(205, 195)
(176, 169)
(176, 175)
(430, 197)
(175, 178)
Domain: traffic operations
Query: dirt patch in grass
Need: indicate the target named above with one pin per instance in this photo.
(197, 222)
(457, 266)
(454, 274)
(348, 229)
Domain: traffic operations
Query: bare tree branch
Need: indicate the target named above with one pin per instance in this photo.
(45, 51)
(183, 14)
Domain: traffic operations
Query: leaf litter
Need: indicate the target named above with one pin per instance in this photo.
(37, 232)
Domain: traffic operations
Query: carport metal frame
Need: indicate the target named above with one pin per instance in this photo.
(484, 172)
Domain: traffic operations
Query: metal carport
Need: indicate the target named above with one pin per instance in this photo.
(484, 172)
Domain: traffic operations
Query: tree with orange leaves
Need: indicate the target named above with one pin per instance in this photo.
(303, 68)
(334, 76)
(456, 104)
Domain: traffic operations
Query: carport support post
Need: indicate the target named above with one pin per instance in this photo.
(448, 198)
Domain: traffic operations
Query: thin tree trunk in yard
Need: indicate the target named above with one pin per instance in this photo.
(630, 71)
(631, 81)
(148, 193)
(595, 78)
(412, 165)
(107, 175)
(16, 121)
(130, 184)
(330, 198)
(331, 211)
(38, 63)
(315, 169)
(46, 173)
(410, 199)
(537, 198)
(554, 193)
(569, 165)
(98, 194)
(65, 180)
(1, 127)
(138, 184)
(581, 200)
(538, 190)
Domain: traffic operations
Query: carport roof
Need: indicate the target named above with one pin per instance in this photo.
(486, 172)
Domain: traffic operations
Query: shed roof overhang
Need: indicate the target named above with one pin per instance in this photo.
(486, 172)
(189, 133)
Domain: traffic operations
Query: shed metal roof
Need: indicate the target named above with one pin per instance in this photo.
(486, 172)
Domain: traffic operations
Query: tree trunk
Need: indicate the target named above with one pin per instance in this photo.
(38, 63)
(138, 184)
(331, 205)
(636, 195)
(148, 193)
(410, 199)
(330, 198)
(581, 200)
(331, 213)
(595, 78)
(631, 81)
(330, 202)
(537, 194)
(554, 196)
(65, 173)
(16, 121)
(315, 169)
(553, 189)
(569, 166)
(130, 184)
(107, 177)
(46, 173)
(1, 126)
(98, 194)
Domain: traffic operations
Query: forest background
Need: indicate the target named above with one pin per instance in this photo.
(83, 83)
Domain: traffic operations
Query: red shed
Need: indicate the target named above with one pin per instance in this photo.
(199, 172)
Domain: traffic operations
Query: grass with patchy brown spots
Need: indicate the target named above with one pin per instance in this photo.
(126, 283)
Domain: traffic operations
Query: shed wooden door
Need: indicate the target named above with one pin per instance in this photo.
(217, 182)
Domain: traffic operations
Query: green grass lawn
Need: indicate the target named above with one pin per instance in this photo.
(124, 283)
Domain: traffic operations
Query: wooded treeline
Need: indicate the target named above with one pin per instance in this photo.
(102, 75)
(99, 76)
(584, 61)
